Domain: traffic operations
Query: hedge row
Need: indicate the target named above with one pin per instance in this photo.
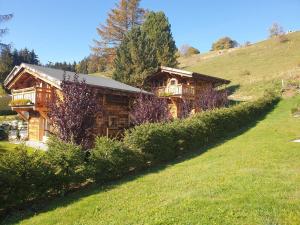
(26, 175)
(162, 142)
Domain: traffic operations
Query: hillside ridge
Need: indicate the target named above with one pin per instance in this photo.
(254, 68)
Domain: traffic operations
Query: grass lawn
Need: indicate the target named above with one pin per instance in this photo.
(254, 68)
(6, 146)
(253, 178)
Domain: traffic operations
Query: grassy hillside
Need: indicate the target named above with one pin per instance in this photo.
(253, 178)
(254, 68)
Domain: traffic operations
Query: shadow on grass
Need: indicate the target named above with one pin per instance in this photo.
(18, 216)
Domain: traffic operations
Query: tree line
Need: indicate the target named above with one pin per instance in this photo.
(10, 58)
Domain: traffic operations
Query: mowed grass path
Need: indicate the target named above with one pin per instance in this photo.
(254, 178)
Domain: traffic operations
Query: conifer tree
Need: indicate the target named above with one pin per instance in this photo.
(6, 62)
(126, 15)
(135, 59)
(158, 30)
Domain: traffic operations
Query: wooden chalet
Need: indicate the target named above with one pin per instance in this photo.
(36, 84)
(180, 85)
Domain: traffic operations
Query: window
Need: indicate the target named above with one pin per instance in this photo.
(116, 99)
(113, 122)
(173, 81)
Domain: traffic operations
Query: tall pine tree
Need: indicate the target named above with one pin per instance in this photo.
(6, 62)
(158, 29)
(126, 15)
(135, 59)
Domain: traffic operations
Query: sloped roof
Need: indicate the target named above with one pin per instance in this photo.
(195, 75)
(55, 76)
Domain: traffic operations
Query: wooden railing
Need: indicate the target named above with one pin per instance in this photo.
(175, 90)
(38, 96)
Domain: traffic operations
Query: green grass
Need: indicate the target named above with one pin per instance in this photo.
(9, 118)
(6, 146)
(253, 178)
(254, 68)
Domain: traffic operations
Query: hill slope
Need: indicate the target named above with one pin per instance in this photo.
(253, 178)
(254, 68)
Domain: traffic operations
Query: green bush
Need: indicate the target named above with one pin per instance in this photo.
(23, 176)
(4, 102)
(110, 159)
(162, 142)
(3, 134)
(7, 112)
(67, 163)
(27, 175)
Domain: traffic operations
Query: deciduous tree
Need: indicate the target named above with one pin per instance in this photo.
(224, 43)
(150, 109)
(275, 30)
(209, 98)
(187, 50)
(3, 31)
(73, 111)
(121, 19)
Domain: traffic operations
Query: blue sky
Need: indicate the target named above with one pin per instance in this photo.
(63, 30)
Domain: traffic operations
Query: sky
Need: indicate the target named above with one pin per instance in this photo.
(63, 30)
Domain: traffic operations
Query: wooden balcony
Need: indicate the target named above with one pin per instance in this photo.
(33, 97)
(179, 90)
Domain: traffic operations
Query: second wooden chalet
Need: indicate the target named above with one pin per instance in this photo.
(177, 85)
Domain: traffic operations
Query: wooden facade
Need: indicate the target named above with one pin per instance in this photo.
(30, 85)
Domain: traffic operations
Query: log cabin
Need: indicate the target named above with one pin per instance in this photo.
(31, 87)
(178, 86)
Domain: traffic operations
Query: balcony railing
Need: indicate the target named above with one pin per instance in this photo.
(33, 96)
(176, 90)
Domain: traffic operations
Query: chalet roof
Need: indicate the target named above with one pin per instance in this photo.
(195, 75)
(55, 76)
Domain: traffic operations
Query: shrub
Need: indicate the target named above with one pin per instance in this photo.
(68, 164)
(209, 99)
(165, 141)
(27, 175)
(7, 112)
(3, 134)
(4, 102)
(110, 159)
(149, 108)
(23, 176)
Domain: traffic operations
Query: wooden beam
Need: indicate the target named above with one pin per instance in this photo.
(22, 115)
